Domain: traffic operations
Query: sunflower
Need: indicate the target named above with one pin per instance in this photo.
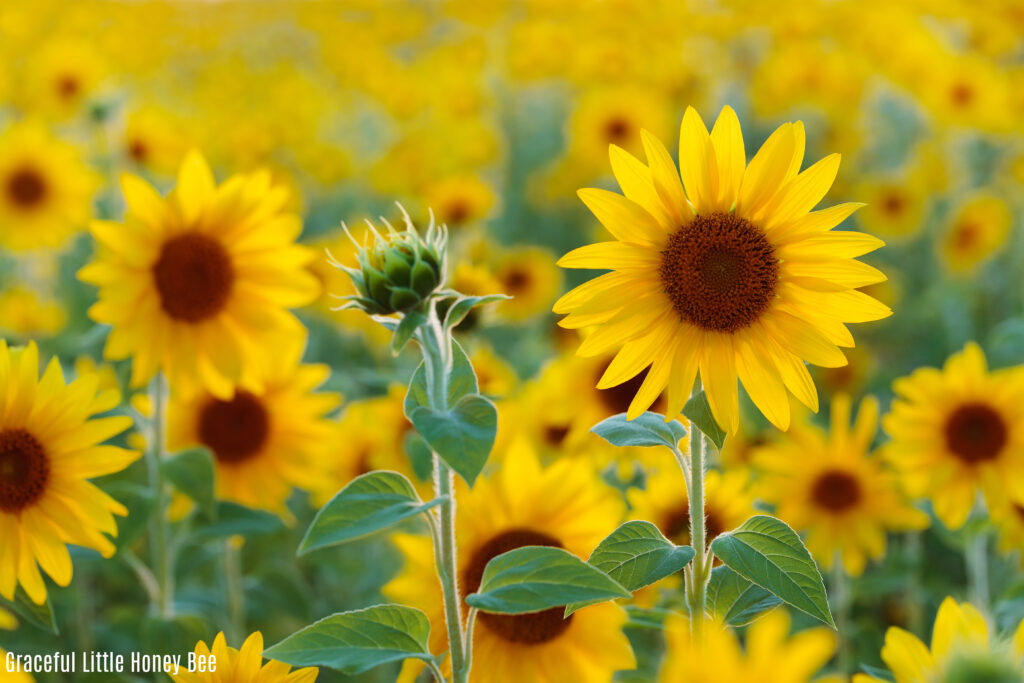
(63, 75)
(45, 189)
(152, 139)
(460, 200)
(897, 205)
(14, 676)
(564, 505)
(8, 621)
(735, 278)
(530, 277)
(976, 232)
(771, 655)
(962, 649)
(244, 666)
(959, 430)
(24, 312)
(264, 440)
(48, 449)
(198, 284)
(828, 485)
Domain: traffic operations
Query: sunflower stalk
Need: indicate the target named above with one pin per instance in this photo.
(697, 573)
(436, 344)
(841, 606)
(160, 544)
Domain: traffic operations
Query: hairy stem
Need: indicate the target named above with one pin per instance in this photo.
(436, 344)
(159, 539)
(841, 606)
(976, 557)
(235, 596)
(698, 572)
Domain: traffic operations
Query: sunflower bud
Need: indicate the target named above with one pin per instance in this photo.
(400, 270)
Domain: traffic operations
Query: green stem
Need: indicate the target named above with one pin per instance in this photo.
(698, 571)
(841, 605)
(161, 551)
(234, 592)
(436, 344)
(976, 556)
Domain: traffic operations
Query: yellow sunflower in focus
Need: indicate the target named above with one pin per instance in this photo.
(962, 649)
(48, 449)
(828, 485)
(976, 232)
(959, 430)
(565, 505)
(198, 284)
(264, 440)
(243, 666)
(45, 189)
(724, 270)
(771, 654)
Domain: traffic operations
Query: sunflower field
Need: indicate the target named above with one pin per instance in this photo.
(512, 341)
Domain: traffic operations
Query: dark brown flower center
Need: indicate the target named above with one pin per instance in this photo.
(528, 629)
(962, 94)
(975, 433)
(720, 272)
(234, 430)
(68, 86)
(554, 434)
(516, 281)
(138, 150)
(26, 187)
(836, 491)
(457, 211)
(893, 203)
(616, 129)
(193, 276)
(24, 470)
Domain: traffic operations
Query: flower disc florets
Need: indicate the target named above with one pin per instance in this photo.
(400, 270)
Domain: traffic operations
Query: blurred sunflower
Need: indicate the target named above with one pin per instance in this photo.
(1009, 523)
(896, 206)
(565, 505)
(735, 278)
(828, 485)
(959, 430)
(962, 651)
(976, 232)
(45, 189)
(24, 313)
(8, 621)
(48, 449)
(530, 277)
(198, 284)
(243, 666)
(771, 654)
(264, 440)
(62, 76)
(460, 200)
(153, 139)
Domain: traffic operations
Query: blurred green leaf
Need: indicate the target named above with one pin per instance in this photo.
(736, 600)
(649, 429)
(140, 502)
(461, 436)
(232, 519)
(355, 642)
(698, 411)
(193, 473)
(637, 555)
(177, 635)
(536, 578)
(40, 616)
(877, 672)
(370, 503)
(767, 552)
(461, 382)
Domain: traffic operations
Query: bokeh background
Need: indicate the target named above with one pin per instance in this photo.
(492, 115)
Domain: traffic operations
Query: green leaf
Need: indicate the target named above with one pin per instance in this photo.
(464, 304)
(699, 413)
(461, 382)
(649, 429)
(536, 578)
(355, 642)
(40, 616)
(411, 322)
(420, 456)
(766, 551)
(193, 473)
(370, 503)
(462, 436)
(140, 501)
(637, 555)
(174, 635)
(877, 672)
(737, 601)
(233, 519)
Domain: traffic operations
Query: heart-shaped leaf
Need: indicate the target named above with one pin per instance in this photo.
(536, 578)
(461, 382)
(698, 411)
(193, 473)
(369, 503)
(355, 642)
(649, 429)
(766, 551)
(637, 555)
(461, 436)
(735, 600)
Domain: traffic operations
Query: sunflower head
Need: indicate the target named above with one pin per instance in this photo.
(399, 270)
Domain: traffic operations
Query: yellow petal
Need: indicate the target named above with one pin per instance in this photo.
(635, 180)
(624, 218)
(612, 256)
(766, 172)
(195, 186)
(666, 179)
(730, 156)
(697, 165)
